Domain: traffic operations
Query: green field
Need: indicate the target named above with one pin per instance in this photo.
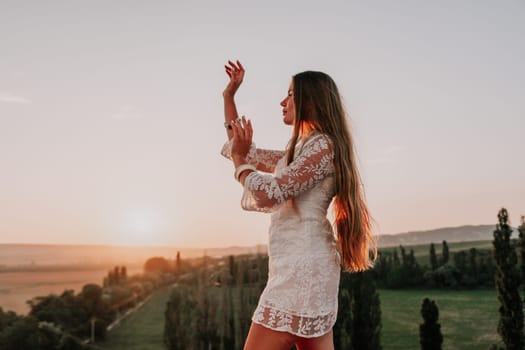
(468, 321)
(468, 318)
(143, 330)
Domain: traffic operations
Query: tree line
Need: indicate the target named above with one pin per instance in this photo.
(472, 268)
(214, 299)
(70, 321)
(211, 308)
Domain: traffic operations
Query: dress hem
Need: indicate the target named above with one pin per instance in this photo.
(288, 330)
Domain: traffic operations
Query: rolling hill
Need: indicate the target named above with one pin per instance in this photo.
(44, 255)
(465, 233)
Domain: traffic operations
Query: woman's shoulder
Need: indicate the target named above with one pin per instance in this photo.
(315, 142)
(317, 137)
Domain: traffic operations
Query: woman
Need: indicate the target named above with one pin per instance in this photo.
(299, 303)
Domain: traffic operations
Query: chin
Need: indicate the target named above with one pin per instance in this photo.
(287, 122)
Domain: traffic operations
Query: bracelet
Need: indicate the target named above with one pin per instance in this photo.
(242, 168)
(228, 125)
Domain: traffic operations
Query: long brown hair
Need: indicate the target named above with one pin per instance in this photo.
(318, 106)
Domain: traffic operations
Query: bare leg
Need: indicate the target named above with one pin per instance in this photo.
(324, 342)
(262, 338)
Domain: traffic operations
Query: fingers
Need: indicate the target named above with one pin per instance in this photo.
(242, 136)
(246, 131)
(234, 67)
(237, 132)
(238, 127)
(242, 128)
(249, 129)
(240, 65)
(228, 71)
(237, 65)
(234, 131)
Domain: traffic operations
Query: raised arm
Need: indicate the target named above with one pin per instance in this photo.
(312, 165)
(262, 159)
(235, 72)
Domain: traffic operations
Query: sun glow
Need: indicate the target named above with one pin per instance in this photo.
(140, 226)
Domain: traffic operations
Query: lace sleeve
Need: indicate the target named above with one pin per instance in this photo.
(263, 192)
(263, 159)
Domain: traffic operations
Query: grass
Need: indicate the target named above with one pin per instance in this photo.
(143, 330)
(468, 318)
(468, 321)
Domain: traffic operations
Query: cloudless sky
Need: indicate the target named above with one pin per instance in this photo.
(111, 112)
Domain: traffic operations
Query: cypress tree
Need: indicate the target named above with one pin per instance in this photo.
(473, 264)
(227, 326)
(430, 336)
(433, 257)
(343, 325)
(411, 260)
(366, 313)
(177, 263)
(445, 254)
(404, 261)
(123, 274)
(180, 319)
(510, 325)
(460, 261)
(521, 231)
(233, 269)
(395, 259)
(242, 317)
(382, 267)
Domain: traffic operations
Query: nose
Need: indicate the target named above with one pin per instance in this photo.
(283, 102)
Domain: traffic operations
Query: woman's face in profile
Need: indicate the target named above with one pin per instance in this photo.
(289, 107)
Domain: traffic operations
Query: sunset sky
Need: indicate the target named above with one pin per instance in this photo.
(111, 112)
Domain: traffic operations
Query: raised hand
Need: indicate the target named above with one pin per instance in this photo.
(242, 137)
(236, 73)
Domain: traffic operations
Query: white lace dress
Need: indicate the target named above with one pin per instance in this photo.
(304, 265)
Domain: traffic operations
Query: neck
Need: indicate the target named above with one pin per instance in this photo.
(305, 129)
